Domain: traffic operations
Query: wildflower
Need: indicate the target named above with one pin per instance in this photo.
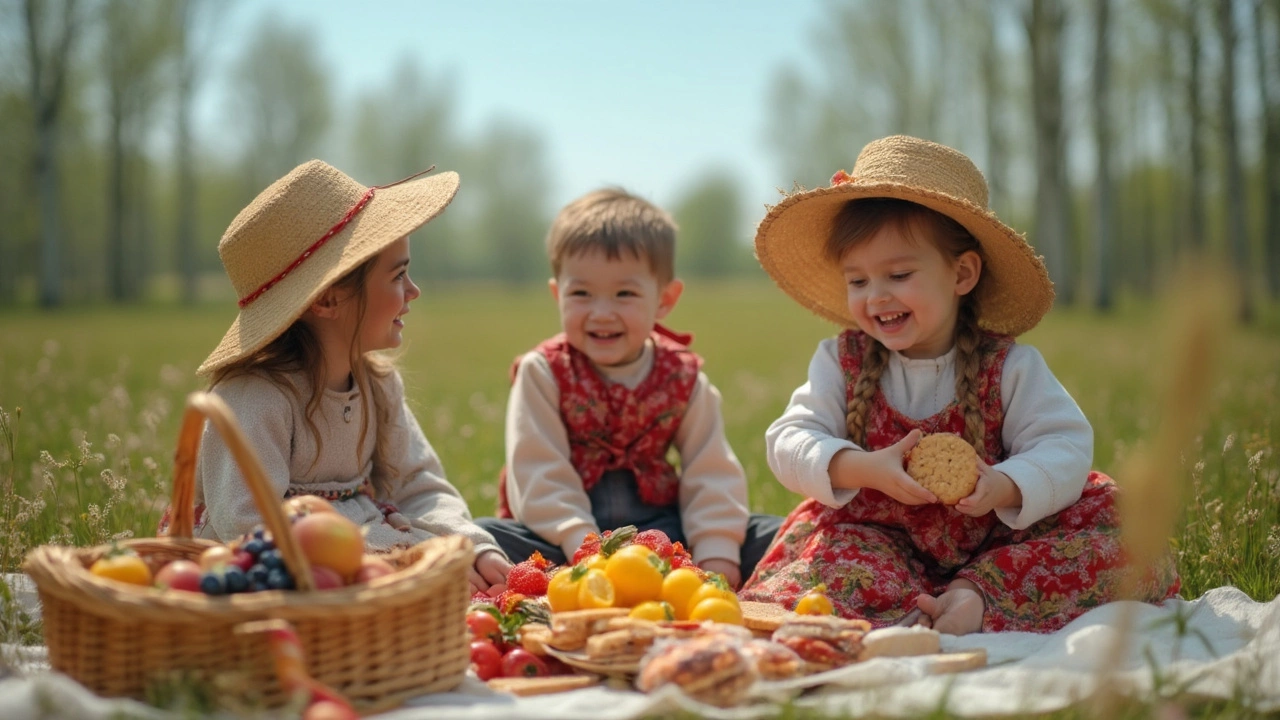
(1231, 440)
(150, 464)
(1255, 461)
(113, 441)
(113, 481)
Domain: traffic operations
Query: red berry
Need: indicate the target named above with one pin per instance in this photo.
(527, 580)
(590, 546)
(657, 541)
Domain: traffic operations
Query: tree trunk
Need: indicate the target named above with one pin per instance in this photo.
(1104, 225)
(187, 268)
(1053, 217)
(1266, 44)
(1195, 131)
(993, 86)
(117, 273)
(47, 68)
(1237, 229)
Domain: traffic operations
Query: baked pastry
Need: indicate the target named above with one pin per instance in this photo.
(763, 617)
(945, 465)
(528, 686)
(823, 642)
(774, 661)
(900, 642)
(570, 630)
(710, 668)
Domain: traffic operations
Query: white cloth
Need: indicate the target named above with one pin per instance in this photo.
(545, 492)
(1047, 437)
(1230, 642)
(274, 419)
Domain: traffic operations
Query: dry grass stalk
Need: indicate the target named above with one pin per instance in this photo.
(1196, 309)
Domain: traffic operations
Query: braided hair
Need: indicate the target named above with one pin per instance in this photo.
(859, 221)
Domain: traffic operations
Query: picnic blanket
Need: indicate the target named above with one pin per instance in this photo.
(1220, 645)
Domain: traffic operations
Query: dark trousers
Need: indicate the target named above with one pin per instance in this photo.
(615, 501)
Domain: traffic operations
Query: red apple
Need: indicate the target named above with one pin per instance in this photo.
(325, 578)
(372, 567)
(330, 540)
(179, 575)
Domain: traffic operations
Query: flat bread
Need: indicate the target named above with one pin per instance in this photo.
(527, 686)
(899, 642)
(762, 616)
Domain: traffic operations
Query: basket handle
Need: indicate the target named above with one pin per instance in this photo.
(202, 405)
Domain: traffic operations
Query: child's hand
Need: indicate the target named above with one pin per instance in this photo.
(881, 470)
(490, 570)
(729, 569)
(994, 490)
(398, 521)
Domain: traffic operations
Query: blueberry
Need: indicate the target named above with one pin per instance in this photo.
(254, 547)
(272, 559)
(260, 533)
(258, 574)
(268, 543)
(255, 586)
(212, 584)
(236, 580)
(279, 580)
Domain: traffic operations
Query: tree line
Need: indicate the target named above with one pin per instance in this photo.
(1119, 134)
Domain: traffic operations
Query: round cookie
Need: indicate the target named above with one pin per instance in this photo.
(945, 465)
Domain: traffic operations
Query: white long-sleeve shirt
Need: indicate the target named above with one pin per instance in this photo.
(545, 493)
(1048, 440)
(274, 420)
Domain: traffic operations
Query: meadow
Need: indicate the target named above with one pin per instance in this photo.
(90, 401)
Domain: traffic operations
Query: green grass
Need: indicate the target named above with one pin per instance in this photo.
(101, 393)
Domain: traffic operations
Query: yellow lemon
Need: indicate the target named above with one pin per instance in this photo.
(717, 609)
(815, 602)
(595, 591)
(655, 610)
(712, 589)
(678, 587)
(635, 574)
(595, 562)
(562, 591)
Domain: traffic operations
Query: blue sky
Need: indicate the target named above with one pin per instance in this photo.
(645, 95)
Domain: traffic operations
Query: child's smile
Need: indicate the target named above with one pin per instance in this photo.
(608, 306)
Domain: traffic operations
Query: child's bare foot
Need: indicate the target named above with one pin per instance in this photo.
(958, 611)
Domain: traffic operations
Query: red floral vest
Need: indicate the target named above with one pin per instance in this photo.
(886, 426)
(613, 428)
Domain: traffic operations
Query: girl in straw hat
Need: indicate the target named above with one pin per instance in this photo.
(932, 288)
(320, 264)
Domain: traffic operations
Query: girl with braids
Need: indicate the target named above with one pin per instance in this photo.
(932, 288)
(321, 267)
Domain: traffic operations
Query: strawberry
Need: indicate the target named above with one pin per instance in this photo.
(680, 557)
(539, 562)
(657, 541)
(509, 600)
(590, 546)
(526, 579)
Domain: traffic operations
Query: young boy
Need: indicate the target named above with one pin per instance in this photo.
(594, 410)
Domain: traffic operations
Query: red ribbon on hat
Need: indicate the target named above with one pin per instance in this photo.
(337, 228)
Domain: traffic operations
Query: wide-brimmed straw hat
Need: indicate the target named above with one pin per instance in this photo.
(1015, 292)
(306, 230)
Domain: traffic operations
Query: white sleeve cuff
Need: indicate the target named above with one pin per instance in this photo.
(1038, 500)
(718, 548)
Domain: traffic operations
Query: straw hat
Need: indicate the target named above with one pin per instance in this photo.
(1015, 292)
(302, 233)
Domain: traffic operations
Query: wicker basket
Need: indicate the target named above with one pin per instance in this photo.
(380, 643)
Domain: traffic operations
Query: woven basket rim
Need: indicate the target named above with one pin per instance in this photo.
(59, 571)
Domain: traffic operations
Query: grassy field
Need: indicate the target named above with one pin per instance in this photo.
(91, 399)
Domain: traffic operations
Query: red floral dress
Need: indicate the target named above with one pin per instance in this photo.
(875, 554)
(612, 427)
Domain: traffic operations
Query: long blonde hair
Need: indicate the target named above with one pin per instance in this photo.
(856, 223)
(297, 350)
